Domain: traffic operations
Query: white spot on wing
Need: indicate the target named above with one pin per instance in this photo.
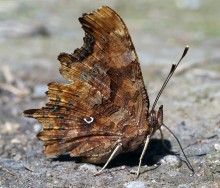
(91, 119)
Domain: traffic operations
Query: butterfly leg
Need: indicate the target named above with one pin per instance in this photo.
(110, 158)
(164, 145)
(142, 155)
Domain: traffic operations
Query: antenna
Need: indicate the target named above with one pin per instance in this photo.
(172, 70)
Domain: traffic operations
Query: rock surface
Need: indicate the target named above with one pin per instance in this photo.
(160, 30)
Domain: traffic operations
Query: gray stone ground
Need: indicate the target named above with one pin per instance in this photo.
(33, 33)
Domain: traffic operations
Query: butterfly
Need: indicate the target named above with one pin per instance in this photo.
(104, 110)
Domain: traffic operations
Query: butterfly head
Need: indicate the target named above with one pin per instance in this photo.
(156, 119)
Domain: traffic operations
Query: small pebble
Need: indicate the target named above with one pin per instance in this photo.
(55, 181)
(17, 157)
(37, 128)
(9, 128)
(185, 186)
(88, 167)
(171, 160)
(123, 167)
(217, 146)
(136, 184)
(15, 141)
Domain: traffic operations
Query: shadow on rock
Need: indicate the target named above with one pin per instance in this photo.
(65, 158)
(154, 153)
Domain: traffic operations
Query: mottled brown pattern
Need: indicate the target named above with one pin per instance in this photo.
(106, 101)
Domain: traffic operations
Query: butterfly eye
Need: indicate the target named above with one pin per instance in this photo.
(89, 120)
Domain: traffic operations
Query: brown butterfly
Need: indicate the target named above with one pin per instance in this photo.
(104, 111)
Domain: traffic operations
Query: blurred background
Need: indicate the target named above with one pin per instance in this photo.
(33, 33)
